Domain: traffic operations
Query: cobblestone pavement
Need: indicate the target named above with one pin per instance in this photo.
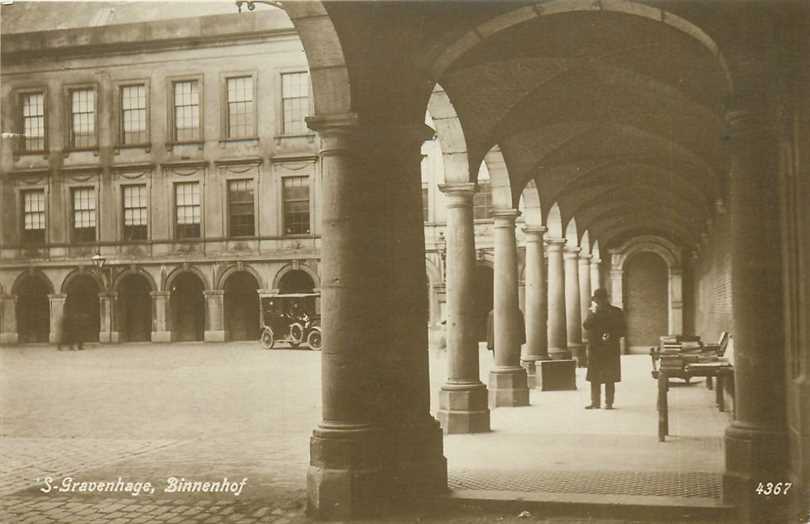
(146, 412)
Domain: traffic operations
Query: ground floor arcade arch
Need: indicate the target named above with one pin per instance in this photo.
(241, 306)
(82, 306)
(32, 309)
(135, 308)
(645, 303)
(187, 306)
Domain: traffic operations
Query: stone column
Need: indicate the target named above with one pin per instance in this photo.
(107, 332)
(596, 274)
(57, 303)
(215, 315)
(617, 287)
(573, 315)
(536, 305)
(584, 291)
(463, 399)
(756, 443)
(160, 316)
(8, 319)
(557, 337)
(508, 382)
(413, 461)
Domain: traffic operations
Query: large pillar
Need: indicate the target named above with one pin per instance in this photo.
(508, 382)
(584, 290)
(573, 315)
(557, 339)
(160, 316)
(756, 442)
(57, 305)
(617, 287)
(413, 460)
(463, 399)
(106, 309)
(8, 319)
(214, 316)
(596, 274)
(346, 449)
(536, 303)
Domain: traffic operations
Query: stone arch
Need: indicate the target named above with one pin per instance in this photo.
(671, 255)
(296, 266)
(571, 235)
(530, 206)
(234, 267)
(451, 138)
(134, 270)
(444, 59)
(83, 271)
(554, 222)
(185, 268)
(585, 242)
(329, 74)
(31, 272)
(500, 185)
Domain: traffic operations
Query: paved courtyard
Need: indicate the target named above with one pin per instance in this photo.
(210, 412)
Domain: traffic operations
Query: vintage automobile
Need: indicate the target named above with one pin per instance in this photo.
(289, 318)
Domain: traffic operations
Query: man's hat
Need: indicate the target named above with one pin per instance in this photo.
(600, 294)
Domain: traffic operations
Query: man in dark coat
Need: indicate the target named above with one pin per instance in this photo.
(605, 326)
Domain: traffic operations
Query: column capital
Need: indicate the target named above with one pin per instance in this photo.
(572, 251)
(57, 296)
(333, 123)
(459, 195)
(505, 217)
(214, 292)
(595, 260)
(554, 243)
(108, 294)
(585, 258)
(535, 230)
(164, 294)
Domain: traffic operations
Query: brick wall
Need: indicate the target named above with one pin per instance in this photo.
(711, 285)
(646, 281)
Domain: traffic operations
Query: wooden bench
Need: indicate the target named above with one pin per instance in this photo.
(710, 366)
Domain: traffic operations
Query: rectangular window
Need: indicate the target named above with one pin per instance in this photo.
(296, 205)
(241, 121)
(186, 111)
(84, 214)
(482, 202)
(33, 121)
(240, 208)
(33, 231)
(187, 207)
(425, 204)
(83, 118)
(295, 102)
(134, 199)
(133, 114)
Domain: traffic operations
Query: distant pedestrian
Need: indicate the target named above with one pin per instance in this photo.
(67, 331)
(605, 326)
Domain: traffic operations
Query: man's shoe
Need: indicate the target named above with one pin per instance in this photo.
(592, 406)
(609, 406)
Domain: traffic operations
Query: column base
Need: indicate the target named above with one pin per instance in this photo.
(531, 372)
(577, 352)
(557, 375)
(109, 338)
(161, 336)
(559, 354)
(463, 408)
(217, 335)
(345, 478)
(8, 338)
(756, 456)
(417, 454)
(508, 387)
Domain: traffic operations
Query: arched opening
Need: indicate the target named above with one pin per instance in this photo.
(33, 310)
(187, 308)
(135, 309)
(242, 306)
(646, 302)
(296, 281)
(81, 307)
(484, 298)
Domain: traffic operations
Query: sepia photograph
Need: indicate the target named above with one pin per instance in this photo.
(405, 261)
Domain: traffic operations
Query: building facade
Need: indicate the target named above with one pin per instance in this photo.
(174, 149)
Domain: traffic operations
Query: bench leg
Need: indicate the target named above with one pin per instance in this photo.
(709, 384)
(721, 401)
(663, 408)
